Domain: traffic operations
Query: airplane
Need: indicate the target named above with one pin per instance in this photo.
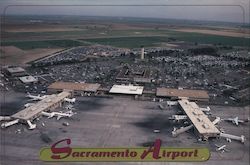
(28, 105)
(178, 117)
(205, 109)
(59, 114)
(31, 126)
(36, 98)
(222, 148)
(5, 118)
(73, 100)
(9, 123)
(236, 120)
(216, 121)
(171, 103)
(64, 114)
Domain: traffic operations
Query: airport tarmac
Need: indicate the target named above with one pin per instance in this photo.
(121, 122)
(11, 102)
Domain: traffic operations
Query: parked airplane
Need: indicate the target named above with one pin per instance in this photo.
(9, 123)
(205, 109)
(31, 126)
(216, 121)
(178, 117)
(5, 118)
(36, 98)
(64, 114)
(171, 103)
(28, 105)
(58, 114)
(221, 148)
(236, 120)
(73, 100)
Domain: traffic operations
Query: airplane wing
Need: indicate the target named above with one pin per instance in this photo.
(59, 117)
(51, 115)
(217, 145)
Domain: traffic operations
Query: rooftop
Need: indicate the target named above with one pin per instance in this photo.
(15, 69)
(198, 118)
(170, 92)
(28, 79)
(87, 87)
(43, 105)
(127, 89)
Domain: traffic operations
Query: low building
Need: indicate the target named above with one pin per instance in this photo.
(28, 79)
(127, 89)
(130, 75)
(16, 71)
(197, 95)
(77, 88)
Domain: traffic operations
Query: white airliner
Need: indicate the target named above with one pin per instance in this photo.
(59, 115)
(178, 117)
(236, 120)
(171, 103)
(36, 98)
(28, 105)
(205, 109)
(221, 148)
(216, 121)
(73, 100)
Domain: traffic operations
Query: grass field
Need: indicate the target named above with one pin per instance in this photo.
(118, 38)
(70, 31)
(131, 42)
(85, 33)
(26, 45)
(211, 39)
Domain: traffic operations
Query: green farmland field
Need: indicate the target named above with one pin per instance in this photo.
(129, 42)
(147, 41)
(26, 45)
(119, 38)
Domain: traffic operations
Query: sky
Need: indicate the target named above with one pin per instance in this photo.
(214, 10)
